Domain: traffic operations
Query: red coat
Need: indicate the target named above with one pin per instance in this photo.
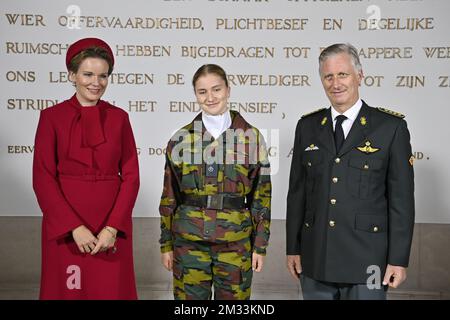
(85, 172)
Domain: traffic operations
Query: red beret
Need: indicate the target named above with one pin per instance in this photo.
(83, 44)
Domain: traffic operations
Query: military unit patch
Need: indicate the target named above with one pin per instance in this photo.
(313, 112)
(392, 113)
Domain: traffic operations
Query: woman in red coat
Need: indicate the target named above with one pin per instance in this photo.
(86, 180)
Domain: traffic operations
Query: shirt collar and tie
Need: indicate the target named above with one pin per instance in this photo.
(342, 123)
(351, 115)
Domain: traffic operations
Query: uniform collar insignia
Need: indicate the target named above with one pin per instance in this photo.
(324, 121)
(363, 121)
(367, 148)
(312, 147)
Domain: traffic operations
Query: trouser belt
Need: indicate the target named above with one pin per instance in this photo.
(215, 202)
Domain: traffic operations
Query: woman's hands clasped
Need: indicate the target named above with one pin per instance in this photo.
(88, 243)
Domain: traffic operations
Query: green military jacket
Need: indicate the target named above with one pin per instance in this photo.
(234, 164)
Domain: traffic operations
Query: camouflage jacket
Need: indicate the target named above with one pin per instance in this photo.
(240, 158)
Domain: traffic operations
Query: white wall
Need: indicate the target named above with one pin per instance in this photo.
(426, 107)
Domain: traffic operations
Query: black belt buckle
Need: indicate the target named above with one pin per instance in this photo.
(215, 202)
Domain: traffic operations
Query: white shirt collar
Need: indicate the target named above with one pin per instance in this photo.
(216, 125)
(351, 113)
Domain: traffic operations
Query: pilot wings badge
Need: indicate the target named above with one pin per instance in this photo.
(368, 148)
(312, 147)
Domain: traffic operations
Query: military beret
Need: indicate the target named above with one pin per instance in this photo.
(83, 44)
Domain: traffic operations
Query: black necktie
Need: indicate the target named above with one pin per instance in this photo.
(339, 132)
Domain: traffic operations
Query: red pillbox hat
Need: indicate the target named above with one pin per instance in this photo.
(83, 44)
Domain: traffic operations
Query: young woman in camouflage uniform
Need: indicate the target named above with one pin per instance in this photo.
(215, 204)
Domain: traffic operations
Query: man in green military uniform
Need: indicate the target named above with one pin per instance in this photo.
(350, 205)
(215, 206)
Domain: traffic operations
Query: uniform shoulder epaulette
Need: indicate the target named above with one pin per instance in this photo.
(313, 112)
(392, 113)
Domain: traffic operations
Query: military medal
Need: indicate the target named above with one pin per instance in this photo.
(368, 148)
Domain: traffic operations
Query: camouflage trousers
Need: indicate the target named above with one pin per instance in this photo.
(200, 265)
